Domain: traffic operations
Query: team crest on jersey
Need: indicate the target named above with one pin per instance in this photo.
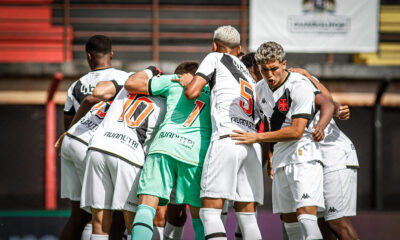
(283, 105)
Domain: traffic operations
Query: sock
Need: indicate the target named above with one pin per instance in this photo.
(173, 232)
(238, 232)
(248, 224)
(213, 226)
(198, 228)
(158, 233)
(309, 226)
(293, 231)
(98, 237)
(87, 231)
(142, 228)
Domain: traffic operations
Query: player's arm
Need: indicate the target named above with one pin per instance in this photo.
(193, 89)
(293, 132)
(327, 109)
(139, 82)
(106, 90)
(267, 151)
(85, 106)
(317, 83)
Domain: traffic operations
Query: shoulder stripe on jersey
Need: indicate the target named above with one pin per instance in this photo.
(114, 155)
(77, 93)
(77, 139)
(212, 79)
(281, 109)
(207, 78)
(302, 115)
(227, 61)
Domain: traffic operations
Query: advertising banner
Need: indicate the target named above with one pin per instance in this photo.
(317, 26)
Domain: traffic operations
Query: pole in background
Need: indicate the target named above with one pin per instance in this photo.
(378, 150)
(156, 31)
(66, 30)
(50, 161)
(244, 23)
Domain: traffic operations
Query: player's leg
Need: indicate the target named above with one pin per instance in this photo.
(340, 189)
(210, 215)
(159, 222)
(101, 220)
(306, 181)
(176, 218)
(71, 152)
(155, 186)
(249, 183)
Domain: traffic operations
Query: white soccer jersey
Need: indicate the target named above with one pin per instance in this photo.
(85, 85)
(232, 94)
(84, 129)
(294, 98)
(130, 124)
(336, 141)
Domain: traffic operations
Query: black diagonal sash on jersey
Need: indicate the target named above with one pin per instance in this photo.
(229, 63)
(281, 109)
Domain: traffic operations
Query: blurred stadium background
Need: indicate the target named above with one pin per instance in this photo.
(42, 41)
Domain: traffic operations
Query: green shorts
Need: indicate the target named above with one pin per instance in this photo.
(159, 175)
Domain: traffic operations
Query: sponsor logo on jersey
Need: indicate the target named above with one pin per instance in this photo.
(123, 139)
(305, 196)
(186, 142)
(89, 124)
(332, 210)
(243, 122)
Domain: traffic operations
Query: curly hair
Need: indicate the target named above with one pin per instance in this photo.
(269, 51)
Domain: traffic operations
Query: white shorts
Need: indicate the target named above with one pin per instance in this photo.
(109, 183)
(298, 185)
(340, 192)
(233, 172)
(73, 155)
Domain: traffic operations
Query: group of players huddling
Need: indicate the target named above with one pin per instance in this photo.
(147, 144)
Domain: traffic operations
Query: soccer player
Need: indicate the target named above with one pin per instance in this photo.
(340, 172)
(176, 155)
(250, 62)
(230, 172)
(99, 54)
(288, 103)
(115, 156)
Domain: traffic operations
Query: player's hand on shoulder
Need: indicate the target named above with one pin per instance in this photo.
(343, 112)
(155, 71)
(184, 79)
(244, 137)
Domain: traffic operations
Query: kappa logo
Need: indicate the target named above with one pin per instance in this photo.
(305, 196)
(332, 210)
(283, 105)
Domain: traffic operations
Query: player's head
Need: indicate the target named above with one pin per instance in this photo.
(271, 58)
(250, 62)
(227, 40)
(187, 67)
(98, 49)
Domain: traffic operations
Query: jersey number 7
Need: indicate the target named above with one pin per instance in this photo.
(194, 114)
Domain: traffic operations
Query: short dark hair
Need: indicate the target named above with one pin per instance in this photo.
(249, 60)
(98, 44)
(187, 67)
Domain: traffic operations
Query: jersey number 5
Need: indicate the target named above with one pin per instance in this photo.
(136, 110)
(246, 93)
(194, 114)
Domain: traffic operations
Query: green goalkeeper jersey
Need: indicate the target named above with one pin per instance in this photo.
(185, 132)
